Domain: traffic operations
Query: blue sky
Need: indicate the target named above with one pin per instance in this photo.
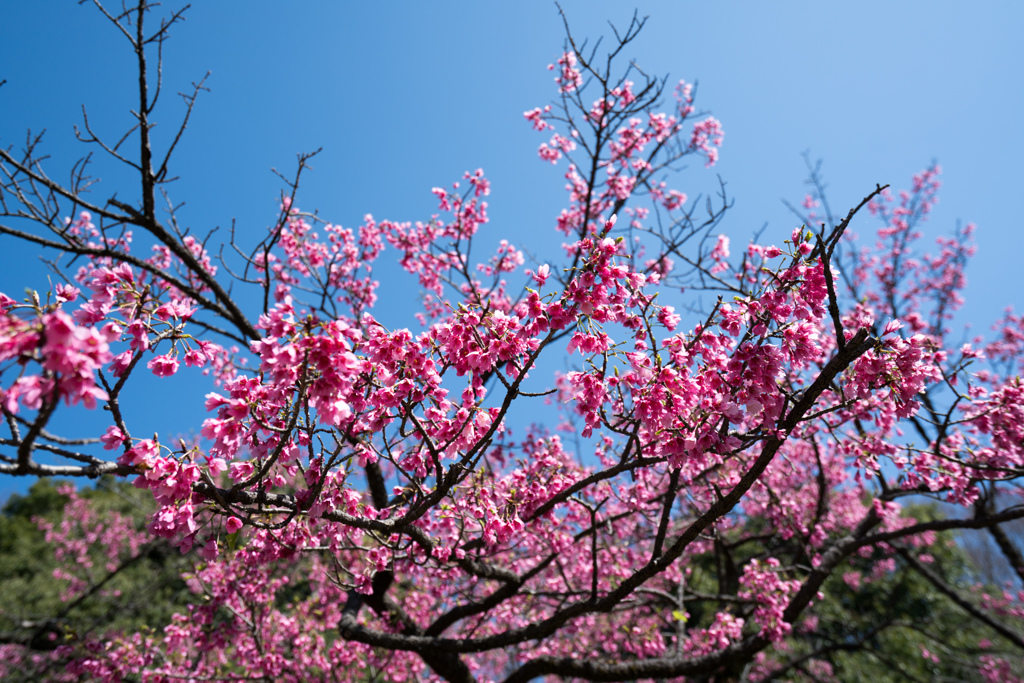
(405, 96)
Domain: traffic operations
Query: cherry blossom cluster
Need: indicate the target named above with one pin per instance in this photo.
(365, 501)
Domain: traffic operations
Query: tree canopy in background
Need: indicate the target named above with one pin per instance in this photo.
(736, 499)
(79, 564)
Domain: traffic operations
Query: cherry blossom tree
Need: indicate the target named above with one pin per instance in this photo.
(360, 506)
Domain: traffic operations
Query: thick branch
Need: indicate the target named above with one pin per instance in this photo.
(857, 346)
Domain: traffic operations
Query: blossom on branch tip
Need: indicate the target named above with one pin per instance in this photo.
(163, 366)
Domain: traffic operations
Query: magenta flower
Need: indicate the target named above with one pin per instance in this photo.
(163, 366)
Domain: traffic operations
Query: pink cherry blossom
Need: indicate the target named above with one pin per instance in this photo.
(651, 456)
(163, 366)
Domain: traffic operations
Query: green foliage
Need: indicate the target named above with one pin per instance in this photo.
(28, 591)
(140, 594)
(894, 625)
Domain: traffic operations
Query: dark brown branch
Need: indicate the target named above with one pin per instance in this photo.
(857, 346)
